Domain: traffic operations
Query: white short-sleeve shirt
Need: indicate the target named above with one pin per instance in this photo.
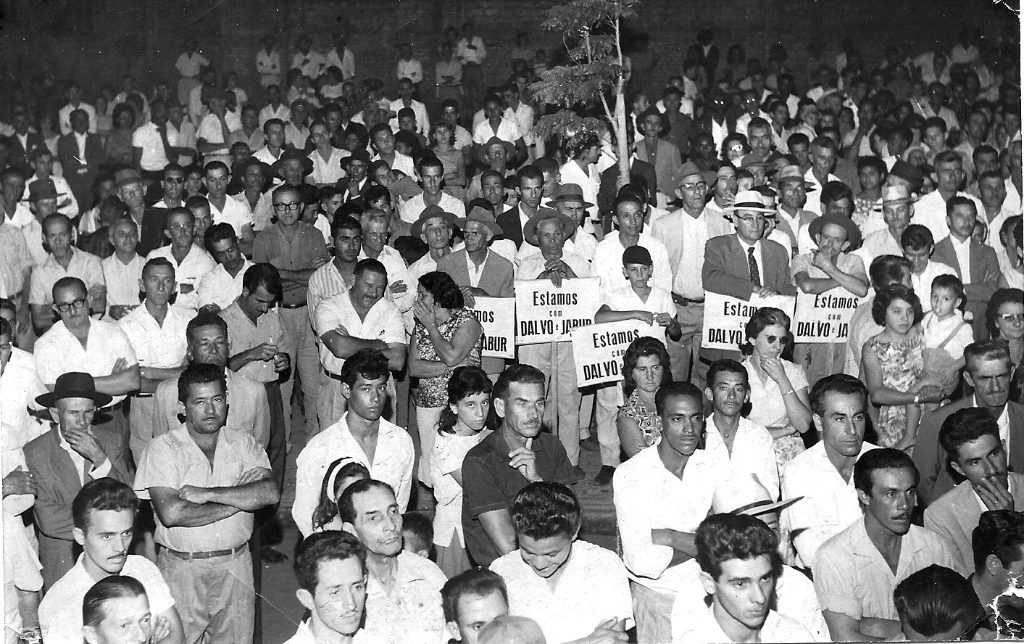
(383, 322)
(156, 345)
(122, 280)
(85, 266)
(59, 352)
(196, 264)
(753, 452)
(593, 587)
(236, 213)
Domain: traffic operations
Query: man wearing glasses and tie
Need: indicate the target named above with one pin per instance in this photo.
(744, 264)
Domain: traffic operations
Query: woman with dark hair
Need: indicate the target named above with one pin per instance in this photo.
(1005, 320)
(734, 148)
(779, 401)
(461, 427)
(118, 148)
(446, 336)
(116, 611)
(340, 474)
(645, 368)
(442, 139)
(1011, 260)
(891, 367)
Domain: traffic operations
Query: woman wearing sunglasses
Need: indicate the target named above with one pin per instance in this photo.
(1005, 318)
(778, 388)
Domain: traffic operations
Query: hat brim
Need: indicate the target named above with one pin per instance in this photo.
(492, 226)
(897, 201)
(307, 166)
(853, 234)
(417, 226)
(808, 185)
(530, 228)
(572, 199)
(481, 152)
(50, 398)
(749, 209)
(757, 509)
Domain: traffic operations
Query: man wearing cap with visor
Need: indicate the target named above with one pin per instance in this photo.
(685, 233)
(830, 268)
(897, 210)
(549, 231)
(794, 592)
(64, 459)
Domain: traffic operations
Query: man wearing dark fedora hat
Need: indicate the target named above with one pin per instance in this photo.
(151, 221)
(62, 460)
(355, 185)
(568, 200)
(831, 268)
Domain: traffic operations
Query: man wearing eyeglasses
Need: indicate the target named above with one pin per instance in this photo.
(190, 261)
(96, 347)
(685, 233)
(744, 264)
(296, 249)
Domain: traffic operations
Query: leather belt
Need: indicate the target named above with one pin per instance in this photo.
(293, 306)
(209, 554)
(685, 301)
(333, 376)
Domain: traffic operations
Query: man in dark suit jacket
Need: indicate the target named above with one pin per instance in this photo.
(65, 458)
(23, 141)
(961, 216)
(705, 52)
(355, 186)
(638, 170)
(988, 372)
(531, 189)
(714, 115)
(80, 155)
(727, 267)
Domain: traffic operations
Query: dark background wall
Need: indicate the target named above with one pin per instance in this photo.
(97, 41)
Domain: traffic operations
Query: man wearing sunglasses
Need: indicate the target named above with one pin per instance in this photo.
(173, 183)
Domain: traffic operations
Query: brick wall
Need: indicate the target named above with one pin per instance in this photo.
(97, 41)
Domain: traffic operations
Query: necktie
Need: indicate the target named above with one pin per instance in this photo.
(162, 129)
(755, 276)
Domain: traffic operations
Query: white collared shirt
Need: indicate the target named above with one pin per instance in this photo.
(83, 265)
(813, 202)
(685, 238)
(19, 386)
(758, 257)
(829, 503)
(593, 587)
(85, 475)
(753, 452)
(383, 322)
(147, 137)
(963, 257)
(237, 213)
(282, 112)
(608, 265)
(392, 463)
(647, 496)
(303, 635)
(776, 628)
(196, 264)
(397, 272)
(411, 210)
(216, 286)
(59, 352)
(156, 345)
(508, 130)
(418, 108)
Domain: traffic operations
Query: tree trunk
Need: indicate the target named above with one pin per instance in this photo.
(620, 111)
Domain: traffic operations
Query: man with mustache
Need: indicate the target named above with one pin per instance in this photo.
(512, 457)
(856, 571)
(971, 438)
(104, 514)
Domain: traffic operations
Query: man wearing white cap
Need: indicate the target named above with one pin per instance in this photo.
(794, 592)
(740, 568)
(897, 210)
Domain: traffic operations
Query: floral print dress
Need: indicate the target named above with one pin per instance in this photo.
(902, 366)
(433, 392)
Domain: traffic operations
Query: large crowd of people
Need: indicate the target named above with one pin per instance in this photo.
(196, 278)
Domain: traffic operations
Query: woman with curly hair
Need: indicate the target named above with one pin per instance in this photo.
(645, 369)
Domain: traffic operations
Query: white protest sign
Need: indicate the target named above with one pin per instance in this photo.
(597, 350)
(726, 317)
(497, 315)
(549, 313)
(825, 317)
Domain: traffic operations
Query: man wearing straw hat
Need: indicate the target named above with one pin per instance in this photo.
(794, 592)
(897, 211)
(793, 219)
(65, 458)
(548, 230)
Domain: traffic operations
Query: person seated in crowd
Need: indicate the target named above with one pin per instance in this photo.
(219, 287)
(63, 261)
(987, 371)
(471, 600)
(856, 571)
(884, 271)
(64, 459)
(331, 570)
(646, 369)
(661, 495)
(190, 262)
(511, 629)
(403, 590)
(738, 445)
(822, 476)
(431, 173)
(104, 512)
(918, 247)
(575, 590)
(340, 474)
(971, 438)
(740, 567)
(778, 388)
(502, 464)
(937, 604)
(116, 609)
(897, 211)
(385, 449)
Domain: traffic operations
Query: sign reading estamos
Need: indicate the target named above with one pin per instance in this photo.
(598, 350)
(549, 313)
(497, 315)
(726, 317)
